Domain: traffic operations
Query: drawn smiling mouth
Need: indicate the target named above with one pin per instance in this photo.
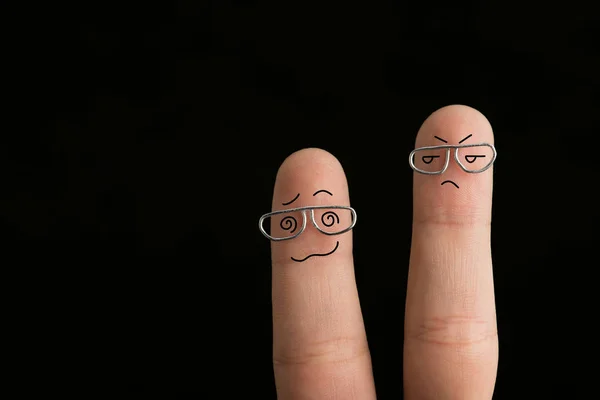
(443, 183)
(318, 255)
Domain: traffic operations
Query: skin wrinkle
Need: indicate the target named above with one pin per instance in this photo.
(329, 351)
(456, 214)
(458, 223)
(454, 331)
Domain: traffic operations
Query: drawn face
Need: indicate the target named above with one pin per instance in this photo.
(314, 221)
(434, 160)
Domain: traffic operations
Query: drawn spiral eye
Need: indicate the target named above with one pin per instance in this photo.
(472, 158)
(331, 217)
(289, 224)
(428, 159)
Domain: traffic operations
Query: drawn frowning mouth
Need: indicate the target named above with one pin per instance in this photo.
(443, 183)
(318, 255)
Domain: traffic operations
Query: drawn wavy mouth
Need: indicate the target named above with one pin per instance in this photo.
(451, 183)
(319, 255)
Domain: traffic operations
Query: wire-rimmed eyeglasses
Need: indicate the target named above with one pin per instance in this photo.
(434, 160)
(282, 224)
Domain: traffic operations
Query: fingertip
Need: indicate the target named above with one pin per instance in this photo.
(454, 191)
(310, 157)
(453, 123)
(311, 177)
(306, 171)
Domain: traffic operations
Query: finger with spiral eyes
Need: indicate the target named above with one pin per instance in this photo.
(314, 294)
(289, 223)
(331, 217)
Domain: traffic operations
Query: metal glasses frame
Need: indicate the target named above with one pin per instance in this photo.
(304, 220)
(449, 147)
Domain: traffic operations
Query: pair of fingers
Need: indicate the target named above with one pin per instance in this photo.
(320, 349)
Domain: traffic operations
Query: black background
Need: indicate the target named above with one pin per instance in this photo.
(154, 135)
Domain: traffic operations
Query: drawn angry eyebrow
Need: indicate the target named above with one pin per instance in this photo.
(323, 190)
(290, 202)
(439, 138)
(465, 138)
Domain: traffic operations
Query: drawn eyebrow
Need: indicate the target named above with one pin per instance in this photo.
(290, 202)
(439, 138)
(323, 190)
(465, 138)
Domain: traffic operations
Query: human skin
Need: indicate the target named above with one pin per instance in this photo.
(320, 349)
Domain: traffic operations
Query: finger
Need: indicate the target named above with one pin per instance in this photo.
(319, 344)
(451, 343)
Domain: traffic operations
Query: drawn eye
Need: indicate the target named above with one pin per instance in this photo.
(330, 218)
(471, 158)
(428, 159)
(289, 224)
